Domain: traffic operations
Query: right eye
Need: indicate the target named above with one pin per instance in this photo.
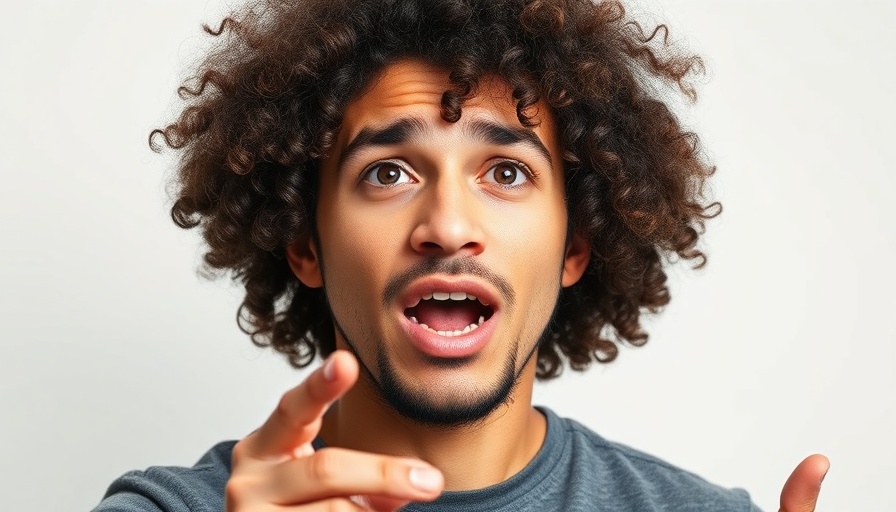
(386, 174)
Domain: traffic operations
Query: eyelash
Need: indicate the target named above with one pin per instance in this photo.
(370, 169)
(531, 175)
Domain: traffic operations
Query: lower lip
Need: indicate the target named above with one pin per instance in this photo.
(453, 347)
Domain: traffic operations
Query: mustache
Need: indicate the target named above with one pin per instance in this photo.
(452, 267)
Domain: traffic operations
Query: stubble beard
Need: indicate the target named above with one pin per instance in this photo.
(462, 408)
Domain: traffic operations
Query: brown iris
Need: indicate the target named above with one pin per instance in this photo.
(388, 174)
(505, 174)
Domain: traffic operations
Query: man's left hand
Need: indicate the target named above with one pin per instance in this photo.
(800, 492)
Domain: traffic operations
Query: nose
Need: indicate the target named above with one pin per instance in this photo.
(449, 220)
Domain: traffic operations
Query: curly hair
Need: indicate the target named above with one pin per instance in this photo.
(266, 103)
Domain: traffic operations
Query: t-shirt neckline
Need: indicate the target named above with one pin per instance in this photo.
(494, 497)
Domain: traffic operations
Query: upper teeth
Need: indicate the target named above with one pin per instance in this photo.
(449, 295)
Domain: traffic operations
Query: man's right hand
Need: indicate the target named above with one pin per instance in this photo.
(276, 467)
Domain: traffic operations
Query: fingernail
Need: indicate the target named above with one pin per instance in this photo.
(426, 479)
(330, 369)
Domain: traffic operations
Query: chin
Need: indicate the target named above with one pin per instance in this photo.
(450, 396)
(442, 405)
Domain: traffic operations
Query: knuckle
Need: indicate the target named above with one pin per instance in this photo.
(393, 474)
(386, 471)
(324, 467)
(283, 409)
(233, 488)
(239, 452)
(235, 493)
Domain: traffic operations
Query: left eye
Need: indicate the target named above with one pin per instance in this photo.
(508, 174)
(385, 174)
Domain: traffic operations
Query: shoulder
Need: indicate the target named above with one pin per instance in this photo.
(614, 469)
(199, 488)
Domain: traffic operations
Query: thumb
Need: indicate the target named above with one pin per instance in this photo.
(800, 493)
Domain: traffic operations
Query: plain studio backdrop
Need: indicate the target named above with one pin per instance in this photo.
(115, 355)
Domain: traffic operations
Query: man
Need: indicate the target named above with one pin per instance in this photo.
(446, 199)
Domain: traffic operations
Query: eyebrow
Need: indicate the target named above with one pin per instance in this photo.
(399, 132)
(501, 135)
(410, 128)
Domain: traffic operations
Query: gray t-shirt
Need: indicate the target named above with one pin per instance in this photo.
(575, 470)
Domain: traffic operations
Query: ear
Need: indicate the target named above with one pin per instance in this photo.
(575, 261)
(303, 260)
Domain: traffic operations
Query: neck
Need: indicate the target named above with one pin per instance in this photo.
(470, 456)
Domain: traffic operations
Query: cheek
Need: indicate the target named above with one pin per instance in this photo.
(534, 232)
(532, 247)
(359, 251)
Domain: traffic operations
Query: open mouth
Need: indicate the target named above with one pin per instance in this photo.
(449, 314)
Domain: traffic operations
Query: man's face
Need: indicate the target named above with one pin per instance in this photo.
(442, 245)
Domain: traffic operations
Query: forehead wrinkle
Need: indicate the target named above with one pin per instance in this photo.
(503, 135)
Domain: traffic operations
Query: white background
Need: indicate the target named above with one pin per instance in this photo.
(114, 355)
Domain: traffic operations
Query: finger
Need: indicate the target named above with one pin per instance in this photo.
(384, 504)
(800, 492)
(296, 420)
(350, 504)
(333, 472)
(378, 503)
(330, 505)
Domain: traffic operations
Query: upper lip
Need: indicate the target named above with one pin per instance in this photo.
(412, 295)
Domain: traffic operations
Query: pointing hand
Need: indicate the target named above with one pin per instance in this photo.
(276, 467)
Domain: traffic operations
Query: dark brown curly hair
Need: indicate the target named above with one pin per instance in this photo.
(267, 102)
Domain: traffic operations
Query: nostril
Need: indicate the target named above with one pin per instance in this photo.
(431, 246)
(447, 232)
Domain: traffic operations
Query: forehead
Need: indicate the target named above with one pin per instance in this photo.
(413, 88)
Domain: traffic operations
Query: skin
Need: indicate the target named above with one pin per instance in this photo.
(445, 203)
(447, 206)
